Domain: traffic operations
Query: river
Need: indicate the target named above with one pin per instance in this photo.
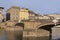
(10, 35)
(17, 35)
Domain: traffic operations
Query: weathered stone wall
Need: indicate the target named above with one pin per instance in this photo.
(30, 24)
(14, 13)
(10, 23)
(14, 28)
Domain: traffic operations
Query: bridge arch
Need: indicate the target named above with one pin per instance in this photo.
(45, 25)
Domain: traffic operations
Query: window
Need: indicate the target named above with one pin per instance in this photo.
(7, 16)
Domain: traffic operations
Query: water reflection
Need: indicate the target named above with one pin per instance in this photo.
(18, 35)
(2, 35)
(36, 38)
(14, 35)
(10, 35)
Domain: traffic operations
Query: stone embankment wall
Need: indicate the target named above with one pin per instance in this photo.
(14, 28)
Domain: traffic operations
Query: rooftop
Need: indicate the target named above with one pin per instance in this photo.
(1, 8)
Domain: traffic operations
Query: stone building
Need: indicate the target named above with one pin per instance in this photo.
(55, 15)
(39, 17)
(12, 13)
(1, 15)
(32, 15)
(45, 17)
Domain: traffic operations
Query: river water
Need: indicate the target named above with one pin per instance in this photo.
(2, 35)
(10, 35)
(17, 35)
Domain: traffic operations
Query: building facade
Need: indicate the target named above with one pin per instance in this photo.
(1, 15)
(56, 16)
(26, 14)
(17, 13)
(23, 14)
(12, 13)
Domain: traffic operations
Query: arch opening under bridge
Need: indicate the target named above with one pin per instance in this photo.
(48, 28)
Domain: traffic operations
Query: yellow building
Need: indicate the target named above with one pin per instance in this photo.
(24, 14)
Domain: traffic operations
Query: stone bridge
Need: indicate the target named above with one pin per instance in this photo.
(38, 28)
(36, 24)
(32, 28)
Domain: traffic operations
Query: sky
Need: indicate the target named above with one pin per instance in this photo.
(38, 6)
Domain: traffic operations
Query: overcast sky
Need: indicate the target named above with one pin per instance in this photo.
(39, 6)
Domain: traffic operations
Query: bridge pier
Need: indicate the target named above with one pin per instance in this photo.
(56, 33)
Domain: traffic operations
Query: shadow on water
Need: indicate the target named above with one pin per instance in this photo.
(14, 35)
(18, 35)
